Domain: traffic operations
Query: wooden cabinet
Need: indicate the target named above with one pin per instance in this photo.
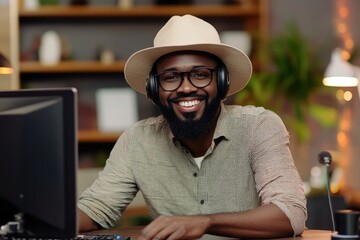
(123, 31)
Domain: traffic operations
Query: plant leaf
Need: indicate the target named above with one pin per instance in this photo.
(326, 116)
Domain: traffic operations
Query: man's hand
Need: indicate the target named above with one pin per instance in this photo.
(266, 221)
(176, 227)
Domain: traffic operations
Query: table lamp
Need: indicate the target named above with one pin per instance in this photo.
(5, 67)
(341, 73)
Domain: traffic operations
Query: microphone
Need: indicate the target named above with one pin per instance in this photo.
(325, 158)
(347, 220)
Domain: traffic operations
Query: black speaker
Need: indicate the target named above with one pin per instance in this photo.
(223, 84)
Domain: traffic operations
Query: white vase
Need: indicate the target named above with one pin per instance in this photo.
(238, 39)
(50, 48)
(31, 4)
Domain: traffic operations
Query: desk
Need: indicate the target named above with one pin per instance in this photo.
(134, 232)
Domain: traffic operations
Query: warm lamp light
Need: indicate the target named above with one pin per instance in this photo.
(340, 73)
(5, 67)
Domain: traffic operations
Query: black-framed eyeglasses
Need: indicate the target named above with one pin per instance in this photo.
(198, 77)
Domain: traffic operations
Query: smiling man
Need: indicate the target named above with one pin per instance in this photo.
(203, 167)
(188, 96)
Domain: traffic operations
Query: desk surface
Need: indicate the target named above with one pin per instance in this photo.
(134, 232)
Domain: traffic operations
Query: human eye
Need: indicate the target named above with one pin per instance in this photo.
(200, 74)
(170, 76)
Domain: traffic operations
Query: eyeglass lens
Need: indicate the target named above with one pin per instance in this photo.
(172, 80)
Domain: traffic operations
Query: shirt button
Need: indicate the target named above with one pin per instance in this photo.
(202, 202)
(195, 174)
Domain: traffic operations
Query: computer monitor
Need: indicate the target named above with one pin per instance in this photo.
(38, 162)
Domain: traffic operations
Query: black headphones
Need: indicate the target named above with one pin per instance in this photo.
(223, 84)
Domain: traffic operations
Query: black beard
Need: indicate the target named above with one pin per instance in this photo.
(190, 128)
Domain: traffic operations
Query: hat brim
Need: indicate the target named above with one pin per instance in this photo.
(139, 65)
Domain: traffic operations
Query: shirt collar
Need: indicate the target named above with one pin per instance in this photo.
(222, 130)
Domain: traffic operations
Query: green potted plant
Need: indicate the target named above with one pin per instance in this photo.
(289, 84)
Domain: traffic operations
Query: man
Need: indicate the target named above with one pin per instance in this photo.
(202, 167)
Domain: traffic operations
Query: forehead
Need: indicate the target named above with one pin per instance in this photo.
(186, 56)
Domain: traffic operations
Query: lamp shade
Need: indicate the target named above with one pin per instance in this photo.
(339, 72)
(5, 67)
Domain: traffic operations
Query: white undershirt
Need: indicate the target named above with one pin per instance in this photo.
(198, 161)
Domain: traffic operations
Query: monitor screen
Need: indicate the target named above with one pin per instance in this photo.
(38, 161)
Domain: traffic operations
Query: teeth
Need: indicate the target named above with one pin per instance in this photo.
(189, 103)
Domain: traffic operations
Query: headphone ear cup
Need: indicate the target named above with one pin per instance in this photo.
(152, 88)
(223, 81)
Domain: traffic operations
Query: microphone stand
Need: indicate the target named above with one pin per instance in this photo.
(329, 197)
(347, 220)
(325, 158)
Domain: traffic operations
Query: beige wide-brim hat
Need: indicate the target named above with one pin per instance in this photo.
(188, 33)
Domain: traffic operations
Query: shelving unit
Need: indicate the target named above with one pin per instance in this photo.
(241, 17)
(94, 136)
(35, 67)
(142, 11)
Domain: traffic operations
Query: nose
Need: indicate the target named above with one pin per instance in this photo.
(186, 86)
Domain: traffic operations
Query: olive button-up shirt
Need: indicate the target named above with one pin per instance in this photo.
(248, 165)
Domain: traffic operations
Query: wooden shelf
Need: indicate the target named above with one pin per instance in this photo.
(63, 11)
(94, 136)
(71, 67)
(66, 15)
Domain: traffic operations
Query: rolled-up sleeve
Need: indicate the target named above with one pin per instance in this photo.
(113, 190)
(277, 179)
